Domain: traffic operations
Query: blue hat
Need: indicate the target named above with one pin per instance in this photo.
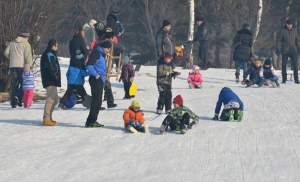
(125, 58)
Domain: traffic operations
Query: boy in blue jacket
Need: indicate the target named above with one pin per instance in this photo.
(233, 106)
(253, 71)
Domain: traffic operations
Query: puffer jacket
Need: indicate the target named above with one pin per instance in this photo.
(74, 75)
(131, 114)
(96, 65)
(89, 34)
(202, 34)
(267, 72)
(164, 43)
(287, 41)
(77, 44)
(163, 73)
(195, 78)
(19, 53)
(178, 112)
(242, 52)
(127, 73)
(253, 71)
(227, 95)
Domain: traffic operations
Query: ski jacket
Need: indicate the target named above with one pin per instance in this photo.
(253, 71)
(242, 51)
(75, 75)
(89, 34)
(78, 45)
(131, 114)
(96, 65)
(267, 73)
(163, 73)
(195, 78)
(164, 43)
(178, 112)
(227, 95)
(19, 53)
(287, 41)
(50, 69)
(127, 73)
(28, 80)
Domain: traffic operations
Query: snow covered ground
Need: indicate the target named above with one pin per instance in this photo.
(265, 146)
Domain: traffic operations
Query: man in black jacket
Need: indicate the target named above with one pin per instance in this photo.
(202, 37)
(287, 45)
(51, 79)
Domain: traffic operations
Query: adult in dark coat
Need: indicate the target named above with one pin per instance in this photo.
(202, 37)
(77, 49)
(288, 46)
(242, 52)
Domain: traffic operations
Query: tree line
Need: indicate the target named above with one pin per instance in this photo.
(141, 19)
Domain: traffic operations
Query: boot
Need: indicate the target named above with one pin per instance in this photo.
(49, 123)
(184, 129)
(237, 75)
(163, 129)
(277, 83)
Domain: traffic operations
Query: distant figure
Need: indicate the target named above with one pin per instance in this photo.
(134, 118)
(178, 118)
(254, 77)
(89, 32)
(288, 46)
(51, 79)
(127, 76)
(195, 79)
(268, 72)
(28, 86)
(242, 52)
(233, 106)
(120, 31)
(19, 53)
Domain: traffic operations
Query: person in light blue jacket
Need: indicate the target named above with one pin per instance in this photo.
(233, 106)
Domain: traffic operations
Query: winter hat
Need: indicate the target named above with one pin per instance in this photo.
(25, 34)
(267, 62)
(106, 44)
(199, 18)
(125, 58)
(166, 23)
(195, 67)
(135, 103)
(27, 67)
(178, 100)
(168, 56)
(92, 22)
(289, 21)
(113, 16)
(246, 25)
(257, 61)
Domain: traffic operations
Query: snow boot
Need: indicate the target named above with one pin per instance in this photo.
(184, 129)
(62, 106)
(158, 111)
(239, 116)
(163, 129)
(237, 75)
(49, 123)
(249, 84)
(277, 83)
(131, 129)
(93, 124)
(231, 115)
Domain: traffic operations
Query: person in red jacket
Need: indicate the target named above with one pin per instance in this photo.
(134, 118)
(195, 79)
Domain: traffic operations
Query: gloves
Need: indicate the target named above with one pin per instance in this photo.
(216, 117)
(138, 124)
(131, 79)
(244, 81)
(131, 122)
(195, 122)
(277, 52)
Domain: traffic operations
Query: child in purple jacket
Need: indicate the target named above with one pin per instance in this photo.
(127, 75)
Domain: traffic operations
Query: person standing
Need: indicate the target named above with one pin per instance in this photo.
(19, 53)
(164, 41)
(28, 86)
(89, 32)
(242, 52)
(51, 79)
(96, 66)
(288, 46)
(202, 37)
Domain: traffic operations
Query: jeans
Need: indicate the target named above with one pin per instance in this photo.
(240, 63)
(17, 84)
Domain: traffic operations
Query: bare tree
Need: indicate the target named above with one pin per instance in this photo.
(191, 25)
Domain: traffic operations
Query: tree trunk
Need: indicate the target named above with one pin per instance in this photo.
(273, 52)
(218, 47)
(259, 15)
(191, 26)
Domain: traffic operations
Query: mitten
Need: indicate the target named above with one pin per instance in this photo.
(131, 122)
(138, 124)
(244, 81)
(131, 79)
(216, 117)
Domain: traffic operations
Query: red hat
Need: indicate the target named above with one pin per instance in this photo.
(178, 100)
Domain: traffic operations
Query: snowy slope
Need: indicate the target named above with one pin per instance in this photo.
(265, 146)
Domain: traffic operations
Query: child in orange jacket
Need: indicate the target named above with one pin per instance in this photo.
(134, 118)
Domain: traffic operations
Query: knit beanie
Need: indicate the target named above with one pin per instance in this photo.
(267, 62)
(27, 67)
(178, 100)
(125, 58)
(135, 103)
(166, 23)
(106, 44)
(25, 34)
(168, 56)
(289, 21)
(257, 61)
(199, 18)
(195, 67)
(92, 22)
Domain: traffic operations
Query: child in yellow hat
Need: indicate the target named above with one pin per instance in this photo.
(134, 118)
(253, 71)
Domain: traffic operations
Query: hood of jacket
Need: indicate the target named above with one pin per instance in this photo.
(226, 89)
(20, 39)
(86, 25)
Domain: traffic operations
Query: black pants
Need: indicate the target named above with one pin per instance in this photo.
(203, 54)
(79, 89)
(225, 114)
(97, 91)
(108, 95)
(17, 84)
(165, 97)
(170, 121)
(294, 60)
(127, 86)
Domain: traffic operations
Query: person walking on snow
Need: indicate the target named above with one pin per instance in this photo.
(28, 86)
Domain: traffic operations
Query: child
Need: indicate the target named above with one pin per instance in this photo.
(127, 75)
(28, 86)
(179, 118)
(253, 71)
(164, 82)
(233, 106)
(195, 78)
(268, 72)
(134, 118)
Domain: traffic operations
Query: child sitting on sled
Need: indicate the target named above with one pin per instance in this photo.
(179, 118)
(195, 78)
(268, 72)
(253, 71)
(134, 118)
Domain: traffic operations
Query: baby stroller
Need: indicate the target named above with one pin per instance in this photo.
(182, 56)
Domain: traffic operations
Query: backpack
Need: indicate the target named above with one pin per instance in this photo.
(100, 25)
(236, 42)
